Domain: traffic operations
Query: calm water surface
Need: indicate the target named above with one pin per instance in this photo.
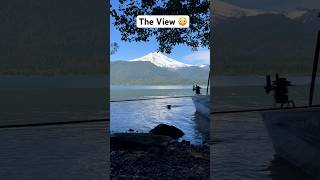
(142, 116)
(74, 151)
(242, 148)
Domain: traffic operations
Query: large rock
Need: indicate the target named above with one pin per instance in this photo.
(138, 140)
(167, 130)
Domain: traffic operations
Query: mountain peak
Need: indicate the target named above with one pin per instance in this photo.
(228, 10)
(161, 60)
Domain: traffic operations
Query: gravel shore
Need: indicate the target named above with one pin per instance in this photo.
(169, 159)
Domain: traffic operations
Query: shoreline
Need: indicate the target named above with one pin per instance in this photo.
(147, 156)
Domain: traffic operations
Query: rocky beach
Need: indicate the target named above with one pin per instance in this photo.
(158, 155)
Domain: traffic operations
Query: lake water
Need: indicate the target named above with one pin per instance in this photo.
(241, 147)
(73, 151)
(142, 116)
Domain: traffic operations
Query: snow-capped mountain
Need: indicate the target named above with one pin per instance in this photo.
(157, 69)
(163, 61)
(225, 10)
(205, 66)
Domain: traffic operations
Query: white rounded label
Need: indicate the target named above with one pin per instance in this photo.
(163, 21)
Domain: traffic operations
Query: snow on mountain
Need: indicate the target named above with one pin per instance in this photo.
(163, 61)
(225, 10)
(205, 66)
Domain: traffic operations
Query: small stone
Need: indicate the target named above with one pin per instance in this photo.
(172, 141)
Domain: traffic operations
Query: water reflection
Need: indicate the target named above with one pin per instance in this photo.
(280, 169)
(202, 125)
(142, 116)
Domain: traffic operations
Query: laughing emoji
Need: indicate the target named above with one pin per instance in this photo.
(182, 21)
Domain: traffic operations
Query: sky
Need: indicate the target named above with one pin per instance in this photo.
(128, 51)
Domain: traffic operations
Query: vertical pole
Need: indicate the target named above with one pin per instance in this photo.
(208, 84)
(314, 70)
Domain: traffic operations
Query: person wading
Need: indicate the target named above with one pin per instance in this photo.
(197, 89)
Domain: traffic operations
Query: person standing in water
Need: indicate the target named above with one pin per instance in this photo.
(197, 89)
